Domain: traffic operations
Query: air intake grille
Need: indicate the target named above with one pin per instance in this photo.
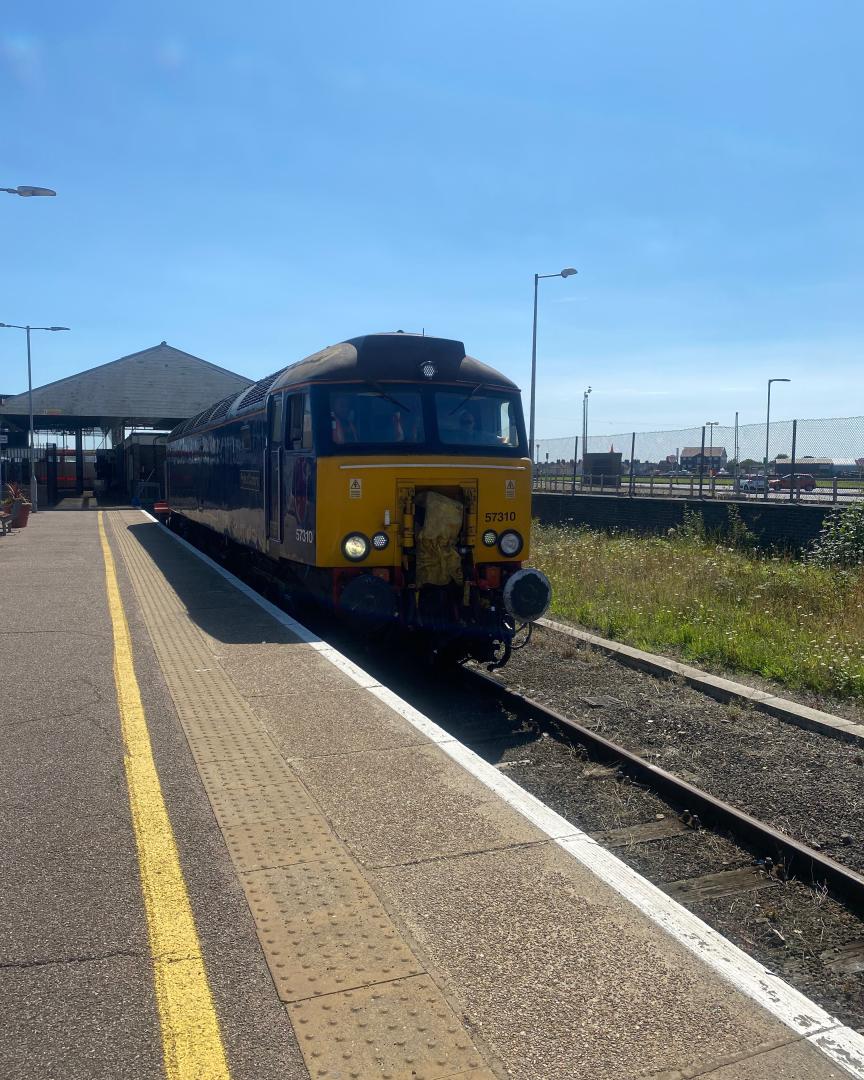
(221, 408)
(258, 391)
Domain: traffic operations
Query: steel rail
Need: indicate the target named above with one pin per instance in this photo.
(761, 839)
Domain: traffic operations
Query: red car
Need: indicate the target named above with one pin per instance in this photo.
(803, 482)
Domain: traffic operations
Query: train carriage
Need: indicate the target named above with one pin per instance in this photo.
(386, 476)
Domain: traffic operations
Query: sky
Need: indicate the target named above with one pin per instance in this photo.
(252, 182)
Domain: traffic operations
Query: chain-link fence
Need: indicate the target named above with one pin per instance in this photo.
(806, 460)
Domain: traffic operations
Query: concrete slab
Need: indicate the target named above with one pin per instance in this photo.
(267, 669)
(561, 977)
(398, 806)
(793, 1061)
(306, 723)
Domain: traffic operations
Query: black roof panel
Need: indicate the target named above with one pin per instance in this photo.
(391, 357)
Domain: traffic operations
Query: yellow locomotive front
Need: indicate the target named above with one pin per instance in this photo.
(423, 496)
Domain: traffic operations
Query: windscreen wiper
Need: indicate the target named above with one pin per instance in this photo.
(380, 390)
(467, 398)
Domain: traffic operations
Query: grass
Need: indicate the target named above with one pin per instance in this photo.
(705, 602)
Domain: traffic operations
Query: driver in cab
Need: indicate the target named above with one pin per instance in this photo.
(342, 420)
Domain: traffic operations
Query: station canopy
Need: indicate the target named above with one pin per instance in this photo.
(157, 387)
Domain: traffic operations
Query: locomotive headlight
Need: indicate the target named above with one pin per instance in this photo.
(355, 547)
(490, 538)
(380, 541)
(510, 543)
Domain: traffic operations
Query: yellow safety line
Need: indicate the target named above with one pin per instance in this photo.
(191, 1040)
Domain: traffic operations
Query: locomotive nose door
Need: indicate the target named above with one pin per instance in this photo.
(275, 428)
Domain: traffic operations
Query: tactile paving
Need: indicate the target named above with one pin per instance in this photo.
(224, 744)
(404, 1030)
(323, 929)
(247, 805)
(292, 839)
(361, 1003)
(238, 774)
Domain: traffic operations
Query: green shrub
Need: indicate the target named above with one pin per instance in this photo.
(841, 540)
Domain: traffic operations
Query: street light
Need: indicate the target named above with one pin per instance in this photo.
(565, 273)
(768, 430)
(27, 329)
(585, 425)
(711, 424)
(28, 192)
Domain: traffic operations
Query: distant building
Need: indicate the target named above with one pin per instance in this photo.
(715, 457)
(824, 467)
(601, 468)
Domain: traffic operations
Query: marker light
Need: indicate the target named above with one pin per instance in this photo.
(429, 370)
(510, 543)
(380, 541)
(355, 547)
(490, 538)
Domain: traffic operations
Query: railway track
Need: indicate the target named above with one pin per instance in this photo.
(781, 854)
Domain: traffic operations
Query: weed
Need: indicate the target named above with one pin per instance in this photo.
(798, 623)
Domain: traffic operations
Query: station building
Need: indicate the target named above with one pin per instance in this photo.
(128, 404)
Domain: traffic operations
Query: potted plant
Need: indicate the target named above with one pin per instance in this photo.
(16, 503)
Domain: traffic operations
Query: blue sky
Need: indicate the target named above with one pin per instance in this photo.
(251, 184)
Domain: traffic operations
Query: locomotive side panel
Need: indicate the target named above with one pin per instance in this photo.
(216, 479)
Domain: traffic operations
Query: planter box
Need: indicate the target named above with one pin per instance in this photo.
(20, 514)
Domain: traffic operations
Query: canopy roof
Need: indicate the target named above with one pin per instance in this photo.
(157, 387)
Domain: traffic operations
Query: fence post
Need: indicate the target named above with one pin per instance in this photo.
(632, 462)
(670, 487)
(702, 462)
(834, 499)
(651, 485)
(602, 483)
(575, 459)
(792, 477)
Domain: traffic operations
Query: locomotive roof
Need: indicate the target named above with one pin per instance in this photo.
(372, 357)
(391, 356)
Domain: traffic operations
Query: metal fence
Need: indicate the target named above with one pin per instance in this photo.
(801, 460)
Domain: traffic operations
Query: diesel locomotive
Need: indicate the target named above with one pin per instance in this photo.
(386, 476)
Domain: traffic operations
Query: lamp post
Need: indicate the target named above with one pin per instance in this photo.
(31, 436)
(565, 273)
(768, 432)
(711, 424)
(585, 423)
(28, 192)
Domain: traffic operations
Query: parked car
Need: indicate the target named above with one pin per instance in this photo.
(803, 482)
(753, 482)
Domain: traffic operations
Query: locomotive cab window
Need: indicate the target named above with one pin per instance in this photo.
(300, 419)
(361, 417)
(276, 416)
(478, 418)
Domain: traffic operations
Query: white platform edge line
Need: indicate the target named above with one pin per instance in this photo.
(843, 1045)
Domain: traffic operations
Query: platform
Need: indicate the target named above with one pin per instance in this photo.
(229, 852)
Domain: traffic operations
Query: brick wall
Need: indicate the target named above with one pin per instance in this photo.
(775, 525)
